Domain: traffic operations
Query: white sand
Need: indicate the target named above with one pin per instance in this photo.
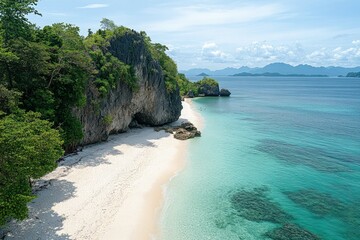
(112, 190)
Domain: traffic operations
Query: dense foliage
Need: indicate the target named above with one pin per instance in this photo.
(14, 23)
(186, 86)
(29, 148)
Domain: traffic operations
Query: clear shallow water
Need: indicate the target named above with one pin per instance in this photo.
(280, 157)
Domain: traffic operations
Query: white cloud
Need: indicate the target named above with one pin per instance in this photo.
(96, 5)
(211, 52)
(339, 56)
(183, 18)
(209, 45)
(257, 54)
(262, 53)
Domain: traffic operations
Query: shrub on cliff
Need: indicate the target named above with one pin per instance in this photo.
(109, 70)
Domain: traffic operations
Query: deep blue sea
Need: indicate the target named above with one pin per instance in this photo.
(279, 159)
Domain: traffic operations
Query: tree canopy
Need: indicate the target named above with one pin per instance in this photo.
(13, 18)
(107, 24)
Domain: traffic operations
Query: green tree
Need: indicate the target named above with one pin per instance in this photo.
(208, 81)
(70, 70)
(7, 59)
(107, 24)
(29, 148)
(13, 21)
(30, 67)
(185, 85)
(9, 101)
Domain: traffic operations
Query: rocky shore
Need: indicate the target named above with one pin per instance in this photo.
(182, 132)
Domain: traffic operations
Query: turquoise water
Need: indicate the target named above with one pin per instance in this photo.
(279, 159)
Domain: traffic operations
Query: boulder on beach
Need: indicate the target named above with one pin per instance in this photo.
(183, 132)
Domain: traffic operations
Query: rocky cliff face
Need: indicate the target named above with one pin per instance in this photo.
(150, 104)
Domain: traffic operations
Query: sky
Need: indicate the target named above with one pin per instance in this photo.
(217, 34)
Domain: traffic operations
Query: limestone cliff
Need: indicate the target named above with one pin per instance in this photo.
(149, 104)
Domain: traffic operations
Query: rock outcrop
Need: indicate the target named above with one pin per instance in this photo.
(190, 94)
(209, 90)
(183, 132)
(150, 104)
(225, 93)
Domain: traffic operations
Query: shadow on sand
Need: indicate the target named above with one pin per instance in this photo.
(43, 222)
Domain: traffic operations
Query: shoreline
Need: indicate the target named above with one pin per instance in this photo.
(109, 190)
(157, 193)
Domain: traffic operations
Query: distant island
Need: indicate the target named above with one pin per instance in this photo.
(267, 74)
(203, 75)
(281, 68)
(353, 74)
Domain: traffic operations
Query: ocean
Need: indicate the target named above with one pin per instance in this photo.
(279, 159)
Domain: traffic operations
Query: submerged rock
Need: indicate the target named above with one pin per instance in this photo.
(256, 206)
(291, 231)
(314, 157)
(225, 93)
(325, 205)
(316, 202)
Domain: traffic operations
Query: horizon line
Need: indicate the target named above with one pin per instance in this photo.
(302, 64)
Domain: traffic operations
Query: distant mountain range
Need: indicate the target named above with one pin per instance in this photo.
(277, 68)
(245, 74)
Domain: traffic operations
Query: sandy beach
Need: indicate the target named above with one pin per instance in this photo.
(110, 190)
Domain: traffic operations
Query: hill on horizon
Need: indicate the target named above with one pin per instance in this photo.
(281, 68)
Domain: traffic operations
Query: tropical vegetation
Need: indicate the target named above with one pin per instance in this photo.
(44, 74)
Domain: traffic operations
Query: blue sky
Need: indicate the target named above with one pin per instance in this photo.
(217, 34)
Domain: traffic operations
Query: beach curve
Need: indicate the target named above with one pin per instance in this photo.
(111, 190)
